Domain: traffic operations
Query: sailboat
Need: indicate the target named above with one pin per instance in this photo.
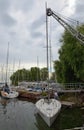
(10, 94)
(48, 109)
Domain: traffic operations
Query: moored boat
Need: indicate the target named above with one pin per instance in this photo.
(11, 94)
(48, 109)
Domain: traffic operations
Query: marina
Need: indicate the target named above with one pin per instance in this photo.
(41, 89)
(35, 92)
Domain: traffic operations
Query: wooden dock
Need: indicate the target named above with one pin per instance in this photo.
(66, 103)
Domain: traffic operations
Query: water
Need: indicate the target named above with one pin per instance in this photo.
(18, 114)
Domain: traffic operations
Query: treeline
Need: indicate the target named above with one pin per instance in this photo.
(34, 74)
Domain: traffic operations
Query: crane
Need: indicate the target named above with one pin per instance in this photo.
(74, 32)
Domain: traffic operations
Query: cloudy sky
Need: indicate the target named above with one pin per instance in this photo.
(22, 24)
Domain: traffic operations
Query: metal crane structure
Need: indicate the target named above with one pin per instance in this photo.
(75, 33)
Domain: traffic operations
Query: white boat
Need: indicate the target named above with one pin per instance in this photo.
(48, 110)
(11, 94)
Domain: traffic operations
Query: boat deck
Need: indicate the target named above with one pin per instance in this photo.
(49, 108)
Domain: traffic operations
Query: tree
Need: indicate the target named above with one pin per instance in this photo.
(35, 74)
(20, 75)
(44, 73)
(70, 66)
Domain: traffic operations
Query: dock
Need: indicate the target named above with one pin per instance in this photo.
(68, 104)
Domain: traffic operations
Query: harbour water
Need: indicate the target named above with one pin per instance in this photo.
(19, 114)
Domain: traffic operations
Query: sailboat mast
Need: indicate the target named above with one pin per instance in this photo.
(47, 49)
(47, 42)
(50, 56)
(7, 63)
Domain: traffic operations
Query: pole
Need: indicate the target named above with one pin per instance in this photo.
(47, 50)
(7, 63)
(47, 42)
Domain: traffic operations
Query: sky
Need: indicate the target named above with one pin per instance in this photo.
(23, 26)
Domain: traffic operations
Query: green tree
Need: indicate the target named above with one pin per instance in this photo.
(70, 66)
(44, 73)
(35, 74)
(20, 75)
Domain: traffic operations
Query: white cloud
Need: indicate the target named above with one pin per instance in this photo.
(70, 9)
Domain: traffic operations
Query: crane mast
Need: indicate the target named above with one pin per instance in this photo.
(74, 32)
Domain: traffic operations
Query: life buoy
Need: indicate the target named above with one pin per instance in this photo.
(5, 94)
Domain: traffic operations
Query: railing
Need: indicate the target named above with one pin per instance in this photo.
(73, 85)
(68, 86)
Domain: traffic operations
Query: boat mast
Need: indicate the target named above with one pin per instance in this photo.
(7, 63)
(47, 42)
(2, 72)
(47, 47)
(50, 52)
(18, 70)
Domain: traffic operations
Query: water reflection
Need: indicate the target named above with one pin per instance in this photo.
(4, 103)
(40, 124)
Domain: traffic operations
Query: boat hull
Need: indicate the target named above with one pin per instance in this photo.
(12, 94)
(48, 110)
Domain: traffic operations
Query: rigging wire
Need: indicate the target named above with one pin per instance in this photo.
(73, 22)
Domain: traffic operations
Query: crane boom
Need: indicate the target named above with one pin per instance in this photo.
(74, 32)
